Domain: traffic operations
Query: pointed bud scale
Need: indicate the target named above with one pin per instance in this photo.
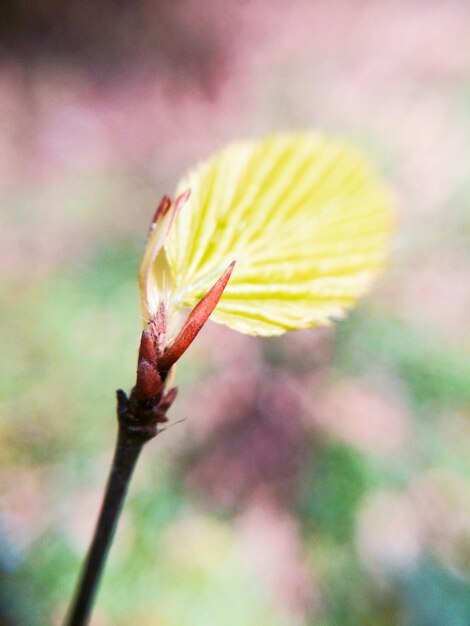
(148, 382)
(182, 199)
(147, 350)
(160, 417)
(159, 230)
(161, 210)
(196, 320)
(168, 399)
(158, 326)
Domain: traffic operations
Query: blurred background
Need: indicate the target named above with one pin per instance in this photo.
(319, 479)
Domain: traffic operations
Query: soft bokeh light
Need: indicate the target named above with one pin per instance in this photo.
(318, 479)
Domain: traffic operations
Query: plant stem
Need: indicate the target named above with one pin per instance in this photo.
(129, 444)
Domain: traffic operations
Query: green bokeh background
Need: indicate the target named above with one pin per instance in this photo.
(373, 526)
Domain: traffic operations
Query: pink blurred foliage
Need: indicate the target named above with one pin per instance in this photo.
(372, 421)
(25, 506)
(250, 436)
(254, 439)
(440, 500)
(437, 294)
(78, 517)
(395, 529)
(389, 533)
(61, 115)
(347, 58)
(272, 541)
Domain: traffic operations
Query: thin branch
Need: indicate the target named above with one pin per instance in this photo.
(129, 444)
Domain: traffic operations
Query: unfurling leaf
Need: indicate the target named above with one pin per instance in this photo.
(303, 215)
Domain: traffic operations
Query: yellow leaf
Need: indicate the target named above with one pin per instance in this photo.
(303, 215)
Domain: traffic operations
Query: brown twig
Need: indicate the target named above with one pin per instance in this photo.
(139, 417)
(134, 431)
